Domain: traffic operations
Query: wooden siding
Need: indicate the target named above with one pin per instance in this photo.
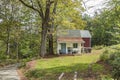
(87, 42)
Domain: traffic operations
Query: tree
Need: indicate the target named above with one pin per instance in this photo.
(11, 26)
(45, 17)
(8, 19)
(105, 27)
(47, 13)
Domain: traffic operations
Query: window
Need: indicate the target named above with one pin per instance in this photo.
(75, 45)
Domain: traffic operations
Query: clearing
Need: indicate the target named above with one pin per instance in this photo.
(51, 68)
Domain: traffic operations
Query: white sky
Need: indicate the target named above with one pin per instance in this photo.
(94, 5)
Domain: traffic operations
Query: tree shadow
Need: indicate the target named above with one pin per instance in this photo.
(54, 73)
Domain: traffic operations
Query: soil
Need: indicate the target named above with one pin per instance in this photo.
(29, 65)
(21, 74)
(107, 67)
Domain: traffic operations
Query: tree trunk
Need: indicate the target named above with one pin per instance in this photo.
(17, 50)
(50, 40)
(8, 49)
(43, 40)
(52, 26)
(8, 42)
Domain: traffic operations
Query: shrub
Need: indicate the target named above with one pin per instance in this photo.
(116, 67)
(105, 56)
(112, 59)
(106, 77)
(23, 62)
(3, 56)
(34, 73)
(99, 47)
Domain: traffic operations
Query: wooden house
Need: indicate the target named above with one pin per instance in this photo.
(73, 41)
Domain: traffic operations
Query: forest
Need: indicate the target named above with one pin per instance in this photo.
(22, 32)
(28, 28)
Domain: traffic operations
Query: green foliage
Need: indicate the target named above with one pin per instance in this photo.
(110, 53)
(20, 27)
(106, 77)
(105, 56)
(69, 15)
(113, 59)
(4, 62)
(116, 67)
(105, 26)
(98, 47)
(3, 56)
(22, 62)
(34, 73)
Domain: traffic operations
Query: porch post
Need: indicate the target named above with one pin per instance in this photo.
(66, 49)
(58, 48)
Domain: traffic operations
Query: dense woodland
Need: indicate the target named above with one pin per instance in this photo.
(28, 28)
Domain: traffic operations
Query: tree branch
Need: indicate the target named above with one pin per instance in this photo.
(47, 12)
(55, 6)
(41, 10)
(31, 6)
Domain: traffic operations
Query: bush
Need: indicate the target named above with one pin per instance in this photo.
(106, 77)
(105, 56)
(98, 47)
(116, 67)
(34, 73)
(112, 59)
(23, 62)
(7, 62)
(3, 56)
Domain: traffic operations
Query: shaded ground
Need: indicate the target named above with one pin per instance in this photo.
(9, 73)
(107, 67)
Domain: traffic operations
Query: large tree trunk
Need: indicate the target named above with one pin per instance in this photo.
(50, 40)
(43, 40)
(52, 26)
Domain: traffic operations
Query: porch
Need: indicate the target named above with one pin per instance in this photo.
(69, 48)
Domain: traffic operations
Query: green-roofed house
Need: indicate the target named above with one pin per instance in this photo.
(73, 41)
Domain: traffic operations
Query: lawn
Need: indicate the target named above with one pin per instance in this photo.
(51, 68)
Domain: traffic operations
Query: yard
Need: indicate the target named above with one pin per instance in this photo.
(51, 68)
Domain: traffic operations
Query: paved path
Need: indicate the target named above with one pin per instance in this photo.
(9, 73)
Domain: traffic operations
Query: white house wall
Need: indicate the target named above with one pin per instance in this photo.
(68, 44)
(58, 47)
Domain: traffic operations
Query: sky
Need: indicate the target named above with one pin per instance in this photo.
(93, 5)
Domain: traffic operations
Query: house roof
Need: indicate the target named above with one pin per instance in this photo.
(85, 34)
(74, 33)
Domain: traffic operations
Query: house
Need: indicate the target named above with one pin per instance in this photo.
(73, 41)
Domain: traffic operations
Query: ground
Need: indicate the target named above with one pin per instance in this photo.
(51, 68)
(9, 73)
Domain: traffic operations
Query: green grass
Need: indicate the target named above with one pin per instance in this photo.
(66, 61)
(53, 67)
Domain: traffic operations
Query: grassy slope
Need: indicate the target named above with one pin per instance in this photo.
(52, 67)
(67, 61)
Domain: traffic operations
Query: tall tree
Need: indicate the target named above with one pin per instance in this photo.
(51, 28)
(44, 13)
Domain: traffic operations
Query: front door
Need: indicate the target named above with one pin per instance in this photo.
(63, 48)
